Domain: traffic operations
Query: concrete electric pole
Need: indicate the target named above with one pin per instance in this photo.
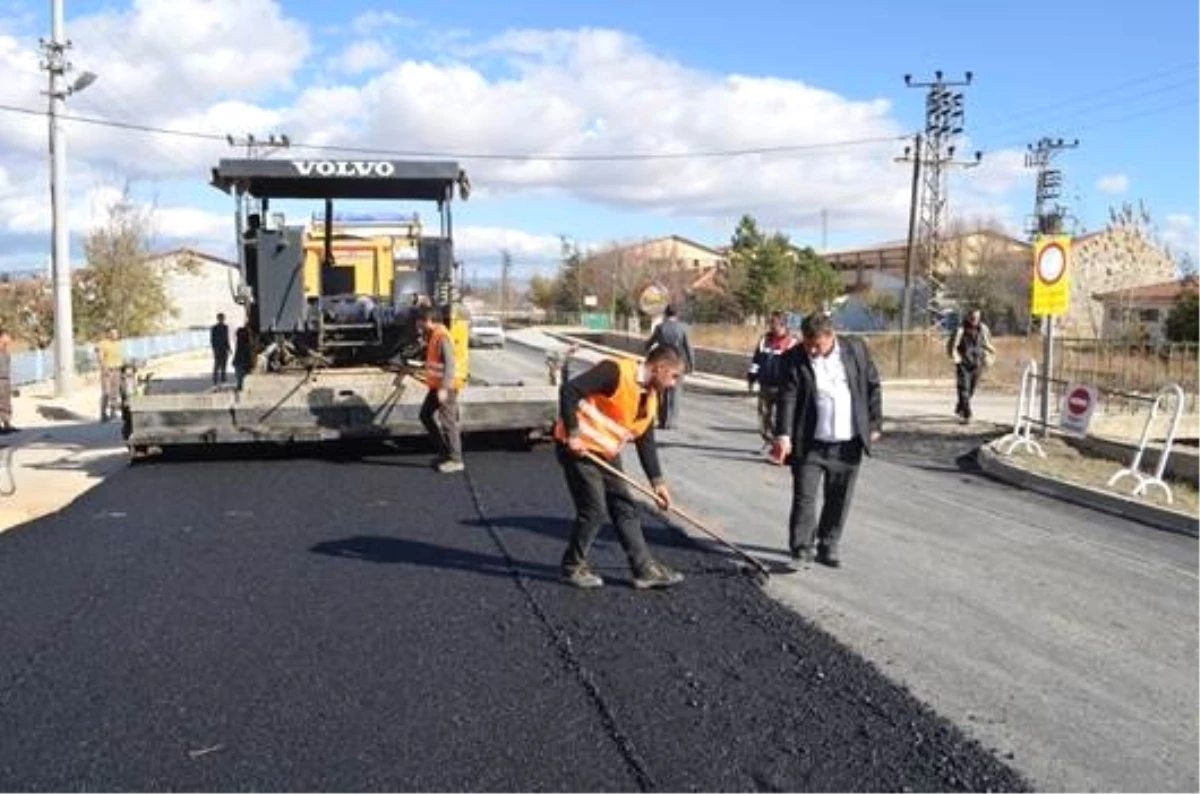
(54, 61)
(931, 152)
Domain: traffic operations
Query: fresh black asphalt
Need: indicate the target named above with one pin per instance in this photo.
(365, 623)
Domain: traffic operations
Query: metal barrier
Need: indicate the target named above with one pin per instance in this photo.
(35, 366)
(1134, 470)
(1023, 423)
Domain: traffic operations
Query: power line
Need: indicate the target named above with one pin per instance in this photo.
(1109, 121)
(1102, 92)
(628, 156)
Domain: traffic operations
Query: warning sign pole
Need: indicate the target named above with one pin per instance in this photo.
(1047, 368)
(1050, 297)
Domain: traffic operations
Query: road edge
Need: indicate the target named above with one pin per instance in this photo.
(994, 466)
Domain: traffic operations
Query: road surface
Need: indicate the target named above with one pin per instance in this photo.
(366, 623)
(1063, 636)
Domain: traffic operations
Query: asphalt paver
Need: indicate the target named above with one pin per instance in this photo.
(362, 622)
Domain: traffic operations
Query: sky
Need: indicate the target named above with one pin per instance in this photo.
(820, 84)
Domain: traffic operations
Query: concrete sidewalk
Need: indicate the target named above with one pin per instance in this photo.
(62, 450)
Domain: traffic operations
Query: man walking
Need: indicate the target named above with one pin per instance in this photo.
(766, 370)
(671, 332)
(600, 410)
(439, 412)
(831, 405)
(218, 339)
(972, 351)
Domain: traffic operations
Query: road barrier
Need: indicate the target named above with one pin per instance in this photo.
(1023, 422)
(1144, 483)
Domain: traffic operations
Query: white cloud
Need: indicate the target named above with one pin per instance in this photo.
(1113, 184)
(235, 66)
(367, 55)
(1182, 236)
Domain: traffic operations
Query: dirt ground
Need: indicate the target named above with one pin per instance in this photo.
(1065, 462)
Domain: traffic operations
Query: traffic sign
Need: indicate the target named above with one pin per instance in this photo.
(653, 300)
(1078, 405)
(1051, 293)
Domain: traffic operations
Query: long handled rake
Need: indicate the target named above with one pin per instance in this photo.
(755, 563)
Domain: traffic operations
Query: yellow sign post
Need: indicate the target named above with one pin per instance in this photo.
(1051, 293)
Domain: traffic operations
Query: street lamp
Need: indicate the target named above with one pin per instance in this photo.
(56, 64)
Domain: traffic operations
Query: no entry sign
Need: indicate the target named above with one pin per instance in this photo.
(1051, 293)
(1078, 404)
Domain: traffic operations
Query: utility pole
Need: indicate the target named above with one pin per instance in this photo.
(1047, 219)
(944, 122)
(505, 268)
(914, 153)
(54, 61)
(824, 231)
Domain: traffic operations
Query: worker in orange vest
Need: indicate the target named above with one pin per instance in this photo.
(599, 411)
(444, 385)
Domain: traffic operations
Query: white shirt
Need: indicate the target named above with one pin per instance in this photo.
(835, 418)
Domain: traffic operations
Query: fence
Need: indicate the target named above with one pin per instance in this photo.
(33, 366)
(1118, 367)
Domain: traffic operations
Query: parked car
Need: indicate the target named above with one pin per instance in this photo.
(486, 332)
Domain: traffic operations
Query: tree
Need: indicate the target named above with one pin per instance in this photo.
(27, 311)
(120, 288)
(884, 305)
(1183, 322)
(568, 297)
(542, 292)
(816, 283)
(983, 269)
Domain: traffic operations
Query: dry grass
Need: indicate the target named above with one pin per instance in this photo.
(1065, 462)
(1112, 366)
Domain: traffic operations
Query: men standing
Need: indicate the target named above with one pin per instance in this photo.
(599, 411)
(767, 370)
(831, 406)
(110, 357)
(972, 351)
(444, 382)
(6, 389)
(218, 339)
(671, 332)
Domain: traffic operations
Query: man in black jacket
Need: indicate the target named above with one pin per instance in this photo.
(830, 410)
(218, 340)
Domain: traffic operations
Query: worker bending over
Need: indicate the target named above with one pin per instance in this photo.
(444, 384)
(600, 410)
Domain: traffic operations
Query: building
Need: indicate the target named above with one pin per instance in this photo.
(1140, 313)
(663, 254)
(966, 251)
(1114, 260)
(199, 286)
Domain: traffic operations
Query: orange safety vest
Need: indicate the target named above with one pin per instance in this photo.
(607, 423)
(435, 367)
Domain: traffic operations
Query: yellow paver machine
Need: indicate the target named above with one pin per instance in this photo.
(330, 312)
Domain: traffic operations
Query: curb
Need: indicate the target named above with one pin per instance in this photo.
(993, 464)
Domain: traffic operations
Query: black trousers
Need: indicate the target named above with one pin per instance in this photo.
(220, 361)
(593, 489)
(968, 378)
(837, 466)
